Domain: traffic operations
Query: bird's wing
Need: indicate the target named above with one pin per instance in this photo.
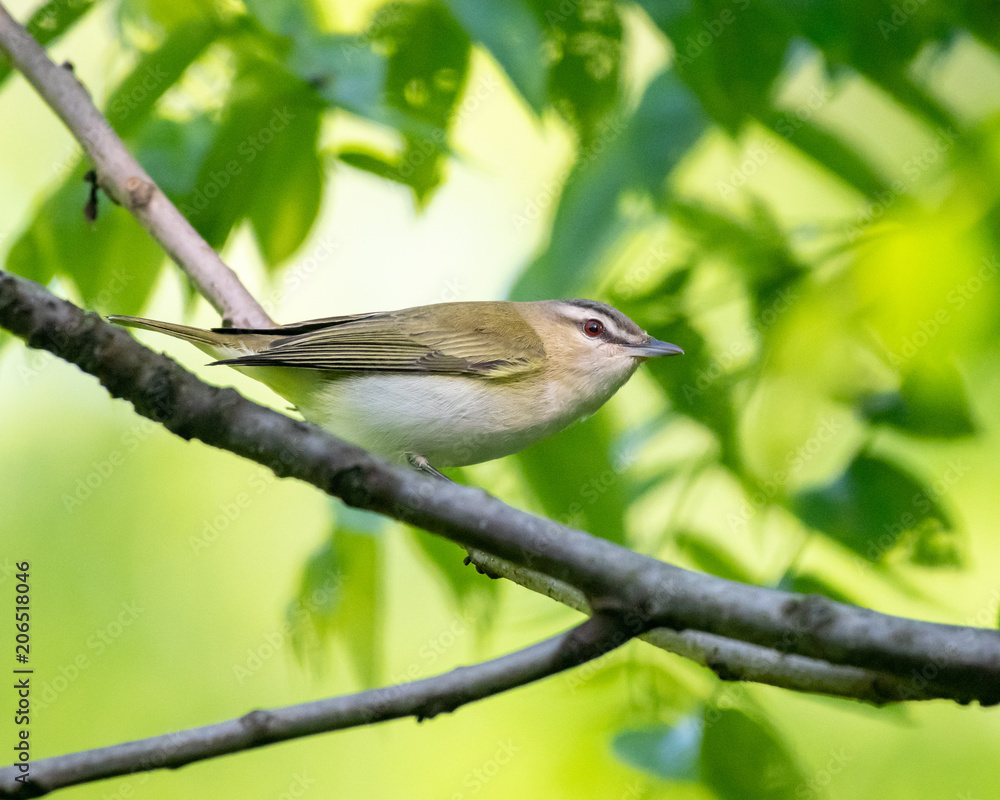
(434, 339)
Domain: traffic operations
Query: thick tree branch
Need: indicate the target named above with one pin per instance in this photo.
(733, 660)
(120, 175)
(421, 699)
(962, 663)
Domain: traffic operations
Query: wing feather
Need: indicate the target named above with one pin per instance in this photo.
(447, 339)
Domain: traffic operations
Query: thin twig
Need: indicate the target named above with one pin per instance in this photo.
(121, 176)
(422, 699)
(962, 663)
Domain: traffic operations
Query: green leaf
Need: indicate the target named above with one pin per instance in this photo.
(346, 73)
(291, 18)
(710, 557)
(839, 157)
(172, 152)
(870, 506)
(697, 386)
(113, 262)
(343, 68)
(743, 758)
(510, 30)
(577, 480)
(158, 70)
(291, 177)
(49, 23)
(670, 752)
(712, 38)
(369, 160)
(933, 545)
(856, 34)
(636, 154)
(931, 402)
(428, 66)
(340, 595)
(269, 125)
(585, 73)
(759, 247)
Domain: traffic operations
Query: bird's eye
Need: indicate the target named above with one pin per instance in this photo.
(593, 327)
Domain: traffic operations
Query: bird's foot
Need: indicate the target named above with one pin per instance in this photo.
(421, 463)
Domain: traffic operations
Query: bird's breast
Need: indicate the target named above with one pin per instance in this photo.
(449, 420)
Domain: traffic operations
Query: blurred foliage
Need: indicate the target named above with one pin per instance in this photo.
(735, 753)
(823, 348)
(340, 593)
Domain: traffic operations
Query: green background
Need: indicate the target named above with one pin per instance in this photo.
(803, 195)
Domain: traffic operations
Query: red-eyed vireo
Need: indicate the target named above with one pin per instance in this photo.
(447, 384)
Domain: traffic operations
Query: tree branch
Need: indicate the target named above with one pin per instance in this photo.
(732, 660)
(125, 181)
(422, 699)
(963, 663)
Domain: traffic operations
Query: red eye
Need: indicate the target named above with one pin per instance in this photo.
(593, 327)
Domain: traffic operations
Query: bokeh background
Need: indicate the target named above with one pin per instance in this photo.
(801, 193)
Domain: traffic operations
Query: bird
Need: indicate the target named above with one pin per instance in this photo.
(441, 385)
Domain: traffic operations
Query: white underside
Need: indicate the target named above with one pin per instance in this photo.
(449, 420)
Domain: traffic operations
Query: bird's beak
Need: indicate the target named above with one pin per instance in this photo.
(654, 348)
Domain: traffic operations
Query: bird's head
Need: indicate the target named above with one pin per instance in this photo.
(592, 344)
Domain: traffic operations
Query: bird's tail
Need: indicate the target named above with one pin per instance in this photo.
(229, 343)
(198, 336)
(218, 343)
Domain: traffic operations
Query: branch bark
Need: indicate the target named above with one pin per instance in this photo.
(733, 660)
(961, 663)
(422, 699)
(125, 181)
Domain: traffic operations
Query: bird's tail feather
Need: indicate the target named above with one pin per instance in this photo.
(197, 335)
(215, 343)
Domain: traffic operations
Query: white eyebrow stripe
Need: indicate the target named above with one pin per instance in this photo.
(611, 326)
